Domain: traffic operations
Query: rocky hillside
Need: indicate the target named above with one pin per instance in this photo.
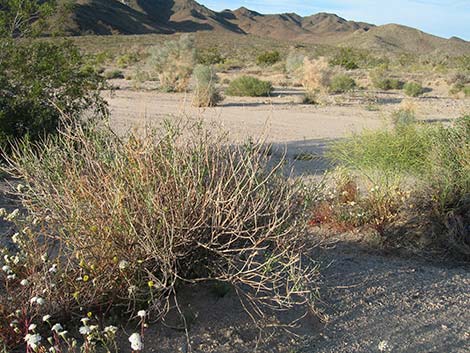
(173, 16)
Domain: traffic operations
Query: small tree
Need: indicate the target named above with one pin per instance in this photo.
(173, 63)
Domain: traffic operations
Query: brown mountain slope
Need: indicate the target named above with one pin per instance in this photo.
(172, 16)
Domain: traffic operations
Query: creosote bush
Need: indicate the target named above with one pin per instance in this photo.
(173, 62)
(381, 79)
(342, 83)
(125, 222)
(206, 94)
(413, 89)
(248, 86)
(268, 58)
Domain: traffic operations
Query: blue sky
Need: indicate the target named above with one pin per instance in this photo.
(445, 18)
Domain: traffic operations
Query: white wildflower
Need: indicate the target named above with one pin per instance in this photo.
(136, 342)
(24, 282)
(10, 277)
(57, 328)
(110, 330)
(6, 269)
(32, 327)
(15, 238)
(33, 341)
(141, 314)
(46, 318)
(123, 264)
(85, 320)
(53, 268)
(84, 330)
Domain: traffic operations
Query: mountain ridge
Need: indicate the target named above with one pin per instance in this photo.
(107, 17)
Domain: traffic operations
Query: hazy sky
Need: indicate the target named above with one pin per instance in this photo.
(445, 18)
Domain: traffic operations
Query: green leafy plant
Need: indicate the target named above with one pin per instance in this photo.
(249, 86)
(40, 81)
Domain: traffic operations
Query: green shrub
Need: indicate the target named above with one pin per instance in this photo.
(381, 79)
(466, 91)
(113, 74)
(342, 83)
(206, 93)
(347, 58)
(127, 222)
(127, 59)
(173, 63)
(268, 58)
(210, 56)
(403, 118)
(248, 86)
(413, 89)
(40, 82)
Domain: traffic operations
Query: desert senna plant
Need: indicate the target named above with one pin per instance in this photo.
(133, 218)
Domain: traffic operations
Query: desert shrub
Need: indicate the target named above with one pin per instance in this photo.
(248, 86)
(206, 94)
(342, 83)
(346, 58)
(210, 56)
(466, 91)
(113, 74)
(173, 63)
(127, 59)
(39, 82)
(381, 79)
(268, 58)
(126, 222)
(316, 78)
(294, 64)
(413, 89)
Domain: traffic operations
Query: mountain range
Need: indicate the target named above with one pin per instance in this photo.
(107, 17)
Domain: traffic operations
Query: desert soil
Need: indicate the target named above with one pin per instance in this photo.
(374, 302)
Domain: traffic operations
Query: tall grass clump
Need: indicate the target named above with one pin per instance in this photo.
(125, 222)
(206, 94)
(173, 63)
(435, 160)
(248, 86)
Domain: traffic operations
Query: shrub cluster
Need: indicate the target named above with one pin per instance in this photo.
(248, 86)
(210, 56)
(381, 79)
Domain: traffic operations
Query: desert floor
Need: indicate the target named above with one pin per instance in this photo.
(373, 301)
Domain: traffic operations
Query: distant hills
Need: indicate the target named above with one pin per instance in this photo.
(107, 17)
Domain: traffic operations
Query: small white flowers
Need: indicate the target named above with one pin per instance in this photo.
(33, 341)
(123, 264)
(84, 330)
(6, 269)
(53, 268)
(136, 342)
(46, 318)
(32, 327)
(141, 314)
(110, 330)
(37, 300)
(57, 328)
(24, 282)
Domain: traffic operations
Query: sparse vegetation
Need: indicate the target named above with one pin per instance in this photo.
(209, 56)
(316, 79)
(113, 74)
(381, 79)
(206, 94)
(248, 86)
